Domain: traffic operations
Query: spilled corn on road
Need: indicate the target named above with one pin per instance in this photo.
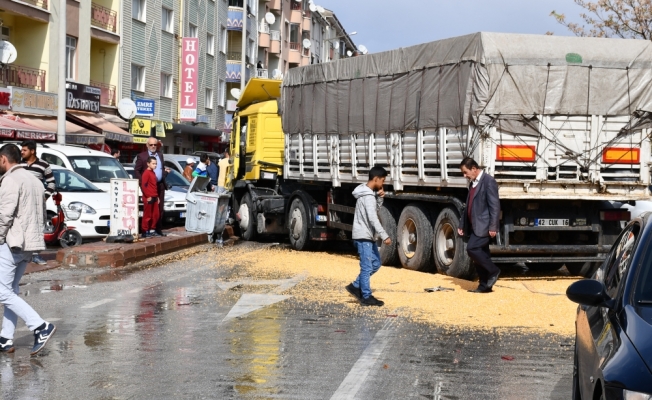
(261, 321)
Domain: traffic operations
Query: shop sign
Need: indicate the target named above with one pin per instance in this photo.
(5, 98)
(7, 133)
(189, 71)
(140, 139)
(83, 97)
(178, 141)
(160, 128)
(145, 107)
(30, 135)
(33, 102)
(141, 127)
(124, 207)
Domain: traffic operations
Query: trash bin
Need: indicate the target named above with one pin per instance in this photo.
(206, 212)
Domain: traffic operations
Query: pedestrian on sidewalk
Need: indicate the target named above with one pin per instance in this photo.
(160, 171)
(366, 228)
(202, 170)
(480, 222)
(21, 233)
(190, 167)
(148, 186)
(221, 180)
(42, 171)
(213, 172)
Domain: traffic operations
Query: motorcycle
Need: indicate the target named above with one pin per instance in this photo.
(56, 229)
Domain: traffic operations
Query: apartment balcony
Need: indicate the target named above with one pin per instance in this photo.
(234, 72)
(306, 24)
(107, 95)
(37, 3)
(234, 19)
(306, 52)
(296, 17)
(295, 53)
(231, 105)
(275, 5)
(262, 73)
(234, 56)
(104, 18)
(263, 35)
(275, 46)
(25, 77)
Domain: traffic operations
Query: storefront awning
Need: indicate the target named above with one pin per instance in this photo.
(194, 130)
(75, 134)
(117, 121)
(12, 127)
(96, 123)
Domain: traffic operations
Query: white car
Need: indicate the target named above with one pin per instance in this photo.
(86, 206)
(96, 166)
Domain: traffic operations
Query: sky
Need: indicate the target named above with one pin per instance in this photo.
(384, 25)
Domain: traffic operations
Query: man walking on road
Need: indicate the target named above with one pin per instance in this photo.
(42, 171)
(221, 180)
(21, 233)
(366, 226)
(480, 222)
(161, 172)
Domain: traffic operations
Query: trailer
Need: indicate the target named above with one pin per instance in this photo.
(562, 123)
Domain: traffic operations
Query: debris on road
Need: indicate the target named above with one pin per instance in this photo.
(438, 289)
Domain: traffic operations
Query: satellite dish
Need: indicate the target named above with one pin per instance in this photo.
(270, 18)
(127, 108)
(8, 52)
(298, 1)
(336, 45)
(312, 7)
(363, 49)
(235, 92)
(348, 53)
(321, 9)
(306, 43)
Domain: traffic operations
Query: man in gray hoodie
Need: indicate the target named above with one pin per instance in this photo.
(366, 228)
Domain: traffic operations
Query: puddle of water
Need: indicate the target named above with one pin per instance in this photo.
(57, 287)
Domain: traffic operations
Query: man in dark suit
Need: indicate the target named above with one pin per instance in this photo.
(480, 221)
(161, 172)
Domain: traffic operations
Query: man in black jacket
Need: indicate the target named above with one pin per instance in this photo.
(480, 221)
(160, 171)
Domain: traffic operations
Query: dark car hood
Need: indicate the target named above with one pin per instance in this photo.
(639, 331)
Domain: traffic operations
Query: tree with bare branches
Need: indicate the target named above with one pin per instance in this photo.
(627, 19)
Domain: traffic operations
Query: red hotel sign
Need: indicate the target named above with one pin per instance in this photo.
(189, 70)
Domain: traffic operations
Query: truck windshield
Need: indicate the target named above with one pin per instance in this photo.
(98, 169)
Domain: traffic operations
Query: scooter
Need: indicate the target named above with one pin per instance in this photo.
(56, 229)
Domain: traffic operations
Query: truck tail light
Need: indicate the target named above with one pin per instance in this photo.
(515, 153)
(621, 155)
(615, 215)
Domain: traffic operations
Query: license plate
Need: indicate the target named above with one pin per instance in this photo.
(550, 222)
(140, 214)
(182, 215)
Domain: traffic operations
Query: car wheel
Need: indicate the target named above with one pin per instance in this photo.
(70, 238)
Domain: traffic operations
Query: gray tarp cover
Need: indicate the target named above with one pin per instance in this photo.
(469, 80)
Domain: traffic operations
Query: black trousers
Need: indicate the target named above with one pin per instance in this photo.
(478, 249)
(161, 196)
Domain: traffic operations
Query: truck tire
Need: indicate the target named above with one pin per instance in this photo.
(247, 217)
(414, 238)
(583, 269)
(448, 248)
(547, 266)
(388, 253)
(298, 226)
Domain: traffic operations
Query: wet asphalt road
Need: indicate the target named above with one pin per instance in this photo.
(173, 331)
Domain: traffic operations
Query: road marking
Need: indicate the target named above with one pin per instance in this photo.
(97, 303)
(135, 290)
(283, 284)
(355, 379)
(250, 302)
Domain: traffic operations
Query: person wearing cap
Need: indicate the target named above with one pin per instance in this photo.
(190, 167)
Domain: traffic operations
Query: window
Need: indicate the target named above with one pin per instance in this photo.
(137, 78)
(209, 98)
(166, 85)
(71, 50)
(192, 30)
(138, 10)
(167, 20)
(210, 43)
(236, 3)
(52, 159)
(223, 39)
(221, 92)
(252, 52)
(294, 34)
(620, 259)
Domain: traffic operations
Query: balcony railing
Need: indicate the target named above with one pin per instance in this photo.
(296, 6)
(104, 18)
(295, 46)
(276, 35)
(262, 73)
(16, 75)
(306, 13)
(107, 94)
(264, 27)
(38, 3)
(306, 52)
(232, 55)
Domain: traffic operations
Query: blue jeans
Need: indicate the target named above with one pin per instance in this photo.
(369, 265)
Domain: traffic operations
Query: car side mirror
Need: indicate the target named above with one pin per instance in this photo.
(589, 292)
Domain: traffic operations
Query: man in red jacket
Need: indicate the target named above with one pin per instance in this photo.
(148, 185)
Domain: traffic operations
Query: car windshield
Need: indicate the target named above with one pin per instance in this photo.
(98, 169)
(68, 181)
(182, 163)
(174, 178)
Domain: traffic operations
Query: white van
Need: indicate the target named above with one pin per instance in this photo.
(96, 166)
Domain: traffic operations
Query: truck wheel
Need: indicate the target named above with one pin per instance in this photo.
(388, 253)
(448, 247)
(547, 266)
(247, 217)
(414, 237)
(298, 224)
(583, 269)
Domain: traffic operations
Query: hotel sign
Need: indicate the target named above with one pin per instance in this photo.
(33, 102)
(189, 71)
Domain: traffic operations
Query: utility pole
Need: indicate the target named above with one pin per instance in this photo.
(61, 107)
(243, 64)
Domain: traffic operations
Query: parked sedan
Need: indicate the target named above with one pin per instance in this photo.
(613, 350)
(85, 205)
